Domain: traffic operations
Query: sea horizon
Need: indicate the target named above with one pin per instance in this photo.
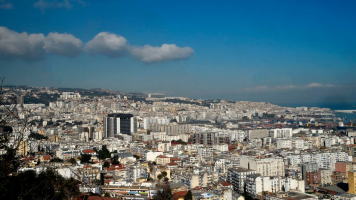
(332, 106)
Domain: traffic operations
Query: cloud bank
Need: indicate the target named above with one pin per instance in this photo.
(166, 52)
(108, 44)
(114, 46)
(30, 47)
(62, 44)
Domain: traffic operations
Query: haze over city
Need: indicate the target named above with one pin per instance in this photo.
(287, 52)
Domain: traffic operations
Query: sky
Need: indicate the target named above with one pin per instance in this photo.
(278, 51)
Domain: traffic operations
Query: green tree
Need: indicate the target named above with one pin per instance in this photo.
(188, 196)
(37, 136)
(56, 160)
(115, 160)
(4, 128)
(85, 158)
(104, 153)
(136, 156)
(106, 164)
(45, 185)
(246, 196)
(180, 141)
(25, 185)
(164, 194)
(73, 161)
(159, 177)
(164, 174)
(245, 118)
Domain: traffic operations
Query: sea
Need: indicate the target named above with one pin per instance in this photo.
(332, 106)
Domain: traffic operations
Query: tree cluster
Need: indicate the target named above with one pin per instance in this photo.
(179, 141)
(56, 160)
(37, 136)
(85, 158)
(104, 153)
(45, 185)
(28, 184)
(164, 194)
(162, 175)
(115, 160)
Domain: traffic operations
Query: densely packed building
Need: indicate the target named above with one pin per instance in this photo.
(130, 147)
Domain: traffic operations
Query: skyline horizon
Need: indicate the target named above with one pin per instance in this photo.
(331, 105)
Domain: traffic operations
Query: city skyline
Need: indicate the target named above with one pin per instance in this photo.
(275, 51)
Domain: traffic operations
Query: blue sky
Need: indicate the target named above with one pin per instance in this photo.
(275, 51)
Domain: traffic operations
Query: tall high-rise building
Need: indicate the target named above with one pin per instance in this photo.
(119, 123)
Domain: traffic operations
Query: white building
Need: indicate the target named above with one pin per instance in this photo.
(264, 166)
(70, 95)
(281, 133)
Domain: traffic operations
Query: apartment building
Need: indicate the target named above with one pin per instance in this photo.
(237, 178)
(264, 166)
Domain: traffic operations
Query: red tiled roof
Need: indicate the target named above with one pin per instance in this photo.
(88, 151)
(172, 164)
(48, 157)
(28, 158)
(175, 143)
(162, 156)
(115, 168)
(225, 184)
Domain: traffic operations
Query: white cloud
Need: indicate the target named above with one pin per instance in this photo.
(113, 46)
(43, 4)
(62, 44)
(109, 44)
(21, 45)
(166, 52)
(35, 46)
(311, 85)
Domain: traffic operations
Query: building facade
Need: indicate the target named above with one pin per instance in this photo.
(119, 123)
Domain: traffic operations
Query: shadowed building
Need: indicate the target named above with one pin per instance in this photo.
(119, 123)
